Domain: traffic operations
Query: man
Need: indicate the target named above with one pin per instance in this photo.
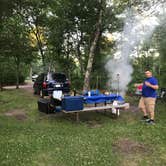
(148, 99)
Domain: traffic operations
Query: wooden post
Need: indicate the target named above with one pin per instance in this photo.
(77, 116)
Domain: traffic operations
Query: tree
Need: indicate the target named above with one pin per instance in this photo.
(160, 43)
(92, 51)
(15, 43)
(72, 31)
(34, 13)
(68, 34)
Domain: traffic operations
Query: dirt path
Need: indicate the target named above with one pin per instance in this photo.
(28, 87)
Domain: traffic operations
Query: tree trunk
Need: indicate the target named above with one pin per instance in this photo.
(78, 54)
(17, 62)
(91, 53)
(30, 72)
(79, 58)
(1, 78)
(17, 76)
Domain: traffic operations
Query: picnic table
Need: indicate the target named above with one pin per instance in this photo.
(101, 108)
(107, 101)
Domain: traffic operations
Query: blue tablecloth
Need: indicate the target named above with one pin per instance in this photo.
(102, 98)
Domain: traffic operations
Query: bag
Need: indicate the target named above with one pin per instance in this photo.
(45, 106)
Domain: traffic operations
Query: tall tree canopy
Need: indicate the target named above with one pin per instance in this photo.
(69, 36)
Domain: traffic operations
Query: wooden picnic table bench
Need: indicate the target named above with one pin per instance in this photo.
(98, 108)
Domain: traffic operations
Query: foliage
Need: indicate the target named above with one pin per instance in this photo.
(15, 44)
(160, 45)
(8, 74)
(72, 28)
(62, 33)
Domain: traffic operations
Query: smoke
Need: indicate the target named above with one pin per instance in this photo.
(139, 25)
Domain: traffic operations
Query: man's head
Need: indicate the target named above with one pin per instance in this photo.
(148, 73)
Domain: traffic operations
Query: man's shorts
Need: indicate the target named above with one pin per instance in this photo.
(147, 103)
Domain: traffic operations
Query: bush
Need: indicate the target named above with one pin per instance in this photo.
(9, 78)
(8, 74)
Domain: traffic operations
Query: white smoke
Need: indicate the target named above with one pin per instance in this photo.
(139, 25)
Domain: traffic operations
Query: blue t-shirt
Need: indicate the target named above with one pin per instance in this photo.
(148, 91)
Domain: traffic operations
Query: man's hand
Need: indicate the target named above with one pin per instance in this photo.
(151, 86)
(147, 84)
(139, 84)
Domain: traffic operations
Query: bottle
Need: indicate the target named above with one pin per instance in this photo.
(89, 93)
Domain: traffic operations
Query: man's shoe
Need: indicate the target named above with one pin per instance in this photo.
(150, 122)
(144, 118)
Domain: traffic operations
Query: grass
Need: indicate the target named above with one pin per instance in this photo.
(98, 140)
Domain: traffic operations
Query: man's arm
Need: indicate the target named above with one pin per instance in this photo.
(151, 86)
(139, 84)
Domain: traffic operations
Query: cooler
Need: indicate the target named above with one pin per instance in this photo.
(72, 103)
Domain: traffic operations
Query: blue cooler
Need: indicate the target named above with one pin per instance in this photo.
(72, 103)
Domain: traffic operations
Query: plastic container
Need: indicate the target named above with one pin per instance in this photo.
(72, 103)
(44, 106)
(89, 94)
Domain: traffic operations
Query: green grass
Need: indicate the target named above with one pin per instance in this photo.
(57, 140)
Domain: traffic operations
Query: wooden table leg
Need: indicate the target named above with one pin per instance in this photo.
(117, 112)
(77, 116)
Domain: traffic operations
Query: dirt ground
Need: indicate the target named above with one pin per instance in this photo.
(28, 86)
(126, 146)
(18, 114)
